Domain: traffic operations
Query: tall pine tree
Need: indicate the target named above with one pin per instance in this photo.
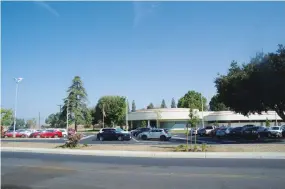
(76, 102)
(133, 106)
(173, 103)
(163, 105)
(150, 106)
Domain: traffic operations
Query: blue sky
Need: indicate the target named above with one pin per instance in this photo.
(144, 50)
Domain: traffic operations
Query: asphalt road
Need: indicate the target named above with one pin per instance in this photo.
(91, 139)
(42, 171)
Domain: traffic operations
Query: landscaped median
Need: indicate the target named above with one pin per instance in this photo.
(270, 151)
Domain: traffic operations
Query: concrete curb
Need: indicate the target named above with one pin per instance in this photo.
(204, 155)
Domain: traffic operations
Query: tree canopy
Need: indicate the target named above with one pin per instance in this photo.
(173, 103)
(76, 102)
(114, 108)
(150, 106)
(216, 104)
(6, 117)
(257, 86)
(31, 123)
(163, 104)
(192, 99)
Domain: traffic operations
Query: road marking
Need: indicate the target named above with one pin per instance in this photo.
(135, 139)
(89, 136)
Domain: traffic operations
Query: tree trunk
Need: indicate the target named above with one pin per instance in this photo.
(75, 125)
(190, 141)
(195, 135)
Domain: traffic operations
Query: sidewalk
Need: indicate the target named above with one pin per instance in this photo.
(204, 155)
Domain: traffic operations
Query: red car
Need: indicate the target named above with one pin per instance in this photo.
(36, 134)
(10, 134)
(51, 133)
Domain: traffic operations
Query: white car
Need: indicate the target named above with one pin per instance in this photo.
(26, 132)
(161, 134)
(64, 132)
(275, 131)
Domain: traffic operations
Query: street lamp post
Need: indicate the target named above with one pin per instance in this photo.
(18, 80)
(127, 111)
(202, 111)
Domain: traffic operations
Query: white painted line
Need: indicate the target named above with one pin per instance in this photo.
(89, 136)
(135, 139)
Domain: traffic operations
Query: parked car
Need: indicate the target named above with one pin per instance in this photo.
(255, 132)
(275, 131)
(246, 127)
(206, 131)
(64, 132)
(36, 134)
(235, 132)
(26, 132)
(221, 132)
(9, 134)
(113, 134)
(140, 130)
(161, 134)
(51, 133)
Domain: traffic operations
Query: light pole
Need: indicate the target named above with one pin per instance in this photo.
(202, 104)
(18, 80)
(67, 115)
(127, 111)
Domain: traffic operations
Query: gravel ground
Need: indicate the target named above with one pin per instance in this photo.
(211, 148)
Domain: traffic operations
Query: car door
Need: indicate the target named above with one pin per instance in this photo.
(152, 133)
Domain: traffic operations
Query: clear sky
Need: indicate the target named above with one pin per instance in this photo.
(146, 51)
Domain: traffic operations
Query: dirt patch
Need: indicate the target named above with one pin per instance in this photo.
(158, 148)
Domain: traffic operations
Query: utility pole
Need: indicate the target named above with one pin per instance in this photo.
(18, 80)
(127, 125)
(59, 108)
(39, 120)
(67, 115)
(202, 111)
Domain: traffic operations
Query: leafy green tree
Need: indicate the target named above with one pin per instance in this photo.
(20, 123)
(150, 106)
(88, 118)
(133, 106)
(216, 104)
(257, 86)
(6, 117)
(31, 123)
(163, 104)
(76, 102)
(56, 120)
(114, 108)
(267, 123)
(192, 99)
(193, 122)
(143, 124)
(173, 103)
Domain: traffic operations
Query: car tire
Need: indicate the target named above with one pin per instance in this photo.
(144, 137)
(163, 138)
(120, 138)
(101, 138)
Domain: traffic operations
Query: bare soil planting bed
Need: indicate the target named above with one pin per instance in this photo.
(159, 148)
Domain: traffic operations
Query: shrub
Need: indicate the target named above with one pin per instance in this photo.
(204, 147)
(73, 140)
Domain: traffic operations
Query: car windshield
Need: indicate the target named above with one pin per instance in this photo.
(119, 130)
(274, 128)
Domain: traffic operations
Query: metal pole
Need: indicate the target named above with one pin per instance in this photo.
(202, 111)
(103, 115)
(39, 120)
(276, 119)
(67, 115)
(59, 108)
(15, 110)
(127, 127)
